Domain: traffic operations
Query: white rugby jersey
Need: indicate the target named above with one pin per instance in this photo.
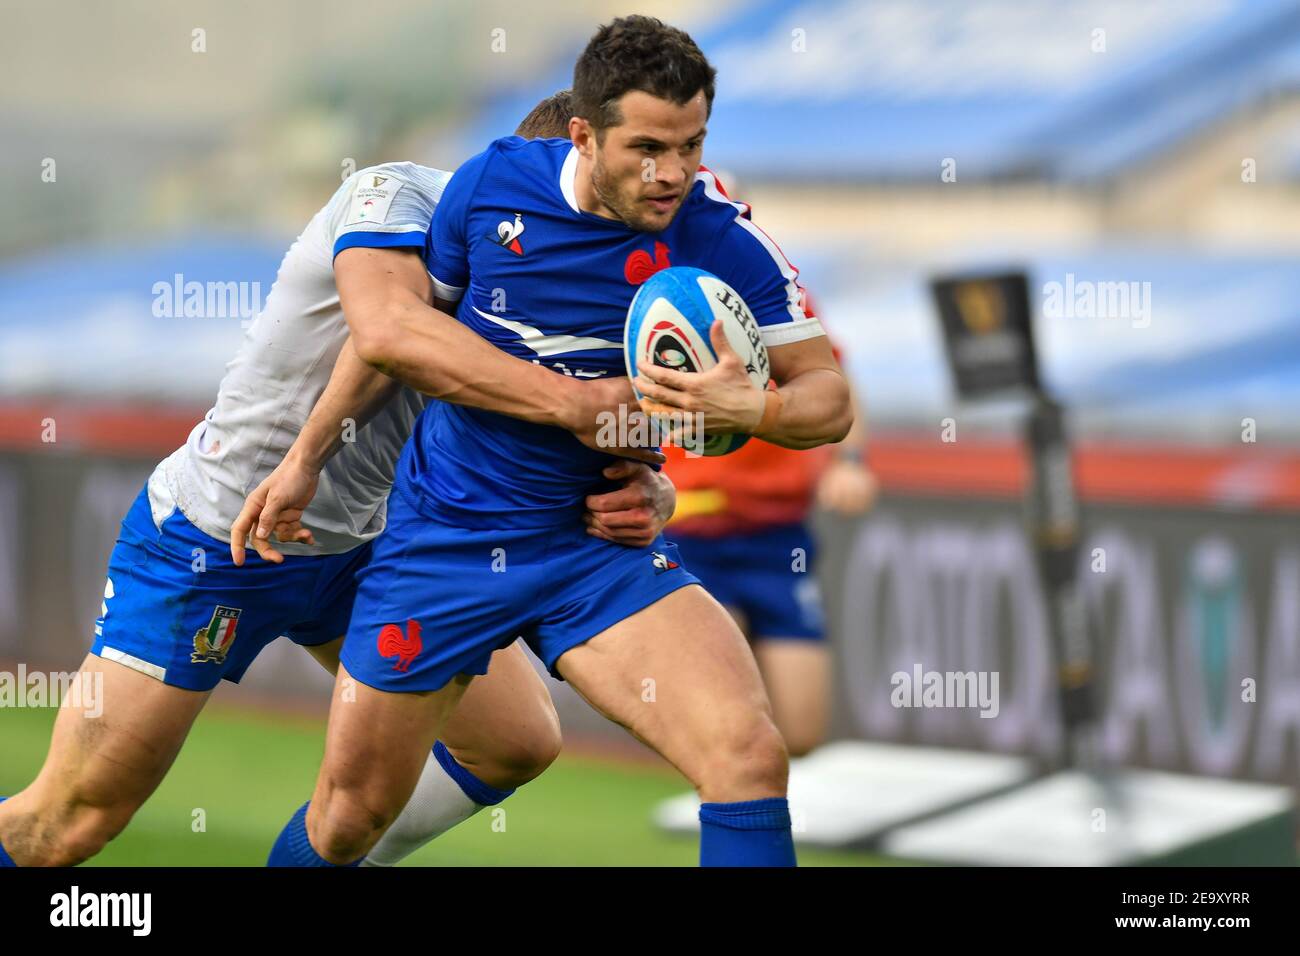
(284, 364)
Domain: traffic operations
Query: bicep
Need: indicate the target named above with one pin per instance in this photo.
(371, 280)
(795, 358)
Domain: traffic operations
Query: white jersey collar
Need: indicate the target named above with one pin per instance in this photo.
(568, 176)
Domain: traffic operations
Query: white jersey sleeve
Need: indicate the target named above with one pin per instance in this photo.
(385, 206)
(284, 365)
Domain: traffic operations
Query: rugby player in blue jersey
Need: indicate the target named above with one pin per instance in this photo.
(173, 627)
(539, 247)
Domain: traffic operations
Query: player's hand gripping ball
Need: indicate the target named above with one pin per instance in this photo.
(668, 325)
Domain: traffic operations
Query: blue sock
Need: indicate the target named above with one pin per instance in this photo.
(748, 833)
(5, 858)
(292, 848)
(473, 787)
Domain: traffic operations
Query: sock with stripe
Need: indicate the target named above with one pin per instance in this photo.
(446, 795)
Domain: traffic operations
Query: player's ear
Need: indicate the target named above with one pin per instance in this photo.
(583, 136)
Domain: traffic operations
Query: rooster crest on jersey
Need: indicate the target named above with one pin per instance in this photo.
(662, 562)
(668, 325)
(639, 266)
(508, 234)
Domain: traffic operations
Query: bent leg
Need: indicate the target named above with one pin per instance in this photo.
(376, 747)
(99, 769)
(429, 612)
(505, 730)
(504, 733)
(797, 674)
(679, 675)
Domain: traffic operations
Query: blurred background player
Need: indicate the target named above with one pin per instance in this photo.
(741, 525)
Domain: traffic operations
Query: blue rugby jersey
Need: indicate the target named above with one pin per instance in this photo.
(549, 283)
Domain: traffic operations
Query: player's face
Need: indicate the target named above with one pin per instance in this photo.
(644, 167)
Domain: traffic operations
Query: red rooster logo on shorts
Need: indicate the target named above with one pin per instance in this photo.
(405, 647)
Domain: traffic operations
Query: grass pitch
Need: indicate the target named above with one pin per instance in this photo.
(243, 773)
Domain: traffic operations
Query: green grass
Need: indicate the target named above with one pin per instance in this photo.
(248, 771)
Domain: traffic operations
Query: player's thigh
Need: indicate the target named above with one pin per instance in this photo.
(377, 741)
(113, 746)
(797, 674)
(429, 612)
(678, 674)
(505, 717)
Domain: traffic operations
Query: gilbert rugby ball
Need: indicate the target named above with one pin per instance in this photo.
(668, 325)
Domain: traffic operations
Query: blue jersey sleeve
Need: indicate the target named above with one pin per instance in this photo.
(749, 261)
(447, 249)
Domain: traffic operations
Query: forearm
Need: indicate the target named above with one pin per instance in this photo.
(436, 354)
(355, 392)
(814, 409)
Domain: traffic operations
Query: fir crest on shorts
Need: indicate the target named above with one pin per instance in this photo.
(212, 641)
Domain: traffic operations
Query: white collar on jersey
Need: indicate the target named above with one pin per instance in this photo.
(568, 175)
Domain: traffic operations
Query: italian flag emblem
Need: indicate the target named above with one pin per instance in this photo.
(212, 643)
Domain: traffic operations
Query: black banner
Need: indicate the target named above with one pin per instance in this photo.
(988, 332)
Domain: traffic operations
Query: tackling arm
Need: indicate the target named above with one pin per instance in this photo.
(385, 295)
(385, 298)
(397, 337)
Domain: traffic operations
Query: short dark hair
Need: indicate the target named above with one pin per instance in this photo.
(549, 119)
(638, 53)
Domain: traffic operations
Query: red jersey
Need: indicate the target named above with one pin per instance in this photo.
(758, 486)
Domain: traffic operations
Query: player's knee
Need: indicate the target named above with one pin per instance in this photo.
(748, 759)
(765, 760)
(347, 823)
(514, 760)
(83, 828)
(527, 758)
(91, 830)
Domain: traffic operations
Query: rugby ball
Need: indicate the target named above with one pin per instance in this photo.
(668, 325)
